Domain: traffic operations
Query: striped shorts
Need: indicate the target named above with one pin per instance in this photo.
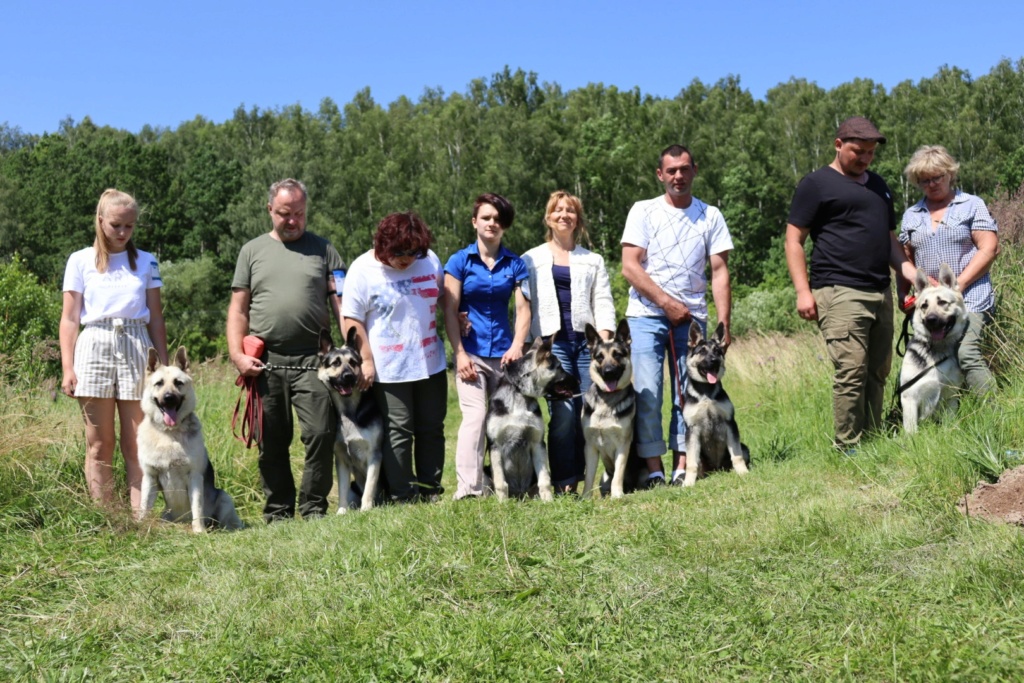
(110, 359)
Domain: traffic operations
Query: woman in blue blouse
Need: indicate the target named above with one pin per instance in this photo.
(479, 281)
(953, 227)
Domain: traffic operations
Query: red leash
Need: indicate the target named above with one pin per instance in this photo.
(675, 362)
(252, 417)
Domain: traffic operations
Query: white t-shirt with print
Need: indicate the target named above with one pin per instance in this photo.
(118, 293)
(679, 243)
(398, 309)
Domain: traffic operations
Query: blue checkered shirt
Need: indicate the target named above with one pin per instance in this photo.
(951, 243)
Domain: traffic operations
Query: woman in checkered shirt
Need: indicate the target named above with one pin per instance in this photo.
(953, 227)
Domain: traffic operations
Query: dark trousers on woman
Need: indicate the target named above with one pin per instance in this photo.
(414, 415)
(565, 429)
(282, 390)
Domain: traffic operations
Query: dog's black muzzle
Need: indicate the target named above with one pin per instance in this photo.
(344, 383)
(564, 386)
(939, 326)
(169, 400)
(611, 372)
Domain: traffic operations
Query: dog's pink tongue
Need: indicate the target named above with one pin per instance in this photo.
(170, 417)
(612, 386)
(712, 378)
(939, 335)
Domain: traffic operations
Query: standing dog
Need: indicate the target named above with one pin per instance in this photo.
(711, 430)
(172, 454)
(931, 373)
(357, 448)
(514, 426)
(609, 407)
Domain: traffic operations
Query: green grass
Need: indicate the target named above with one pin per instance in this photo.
(816, 566)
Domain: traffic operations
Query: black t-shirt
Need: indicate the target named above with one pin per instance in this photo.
(850, 228)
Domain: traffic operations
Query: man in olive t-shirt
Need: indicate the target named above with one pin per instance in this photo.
(283, 292)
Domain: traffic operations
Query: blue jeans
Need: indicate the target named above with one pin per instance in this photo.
(565, 431)
(649, 347)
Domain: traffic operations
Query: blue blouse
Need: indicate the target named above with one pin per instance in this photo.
(951, 243)
(485, 296)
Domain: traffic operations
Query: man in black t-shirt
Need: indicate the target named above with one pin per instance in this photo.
(848, 212)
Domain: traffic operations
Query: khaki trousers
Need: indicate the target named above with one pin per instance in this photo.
(857, 326)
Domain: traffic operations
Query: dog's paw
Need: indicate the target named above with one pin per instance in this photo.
(342, 510)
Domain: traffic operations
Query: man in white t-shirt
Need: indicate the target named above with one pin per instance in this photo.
(666, 247)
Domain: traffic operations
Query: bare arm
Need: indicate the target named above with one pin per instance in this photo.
(633, 270)
(237, 328)
(721, 291)
(453, 328)
(334, 299)
(157, 325)
(522, 328)
(903, 267)
(70, 321)
(796, 261)
(987, 243)
(369, 370)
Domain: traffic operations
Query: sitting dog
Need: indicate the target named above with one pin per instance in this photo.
(931, 373)
(708, 414)
(609, 407)
(514, 426)
(172, 454)
(357, 449)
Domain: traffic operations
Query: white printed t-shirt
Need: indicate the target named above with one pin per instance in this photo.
(679, 243)
(117, 293)
(398, 309)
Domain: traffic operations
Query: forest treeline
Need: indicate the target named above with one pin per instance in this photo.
(203, 184)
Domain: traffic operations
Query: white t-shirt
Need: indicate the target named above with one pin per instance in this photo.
(398, 308)
(117, 293)
(679, 243)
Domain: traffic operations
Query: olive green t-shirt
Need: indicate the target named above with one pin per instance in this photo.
(288, 284)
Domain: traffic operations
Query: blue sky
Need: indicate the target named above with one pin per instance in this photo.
(127, 64)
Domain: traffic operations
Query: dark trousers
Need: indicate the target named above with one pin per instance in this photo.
(281, 391)
(414, 415)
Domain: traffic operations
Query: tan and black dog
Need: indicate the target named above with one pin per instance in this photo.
(712, 437)
(609, 408)
(172, 453)
(357, 448)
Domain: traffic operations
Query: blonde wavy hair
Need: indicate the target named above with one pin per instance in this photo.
(929, 161)
(109, 199)
(577, 205)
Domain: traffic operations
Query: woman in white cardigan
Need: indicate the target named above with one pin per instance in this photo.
(567, 287)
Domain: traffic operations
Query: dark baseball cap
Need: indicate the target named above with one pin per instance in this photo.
(859, 128)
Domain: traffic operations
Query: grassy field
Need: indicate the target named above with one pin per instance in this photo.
(816, 566)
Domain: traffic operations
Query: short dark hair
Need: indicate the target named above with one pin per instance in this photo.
(675, 151)
(506, 212)
(401, 232)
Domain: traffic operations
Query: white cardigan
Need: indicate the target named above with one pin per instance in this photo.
(591, 292)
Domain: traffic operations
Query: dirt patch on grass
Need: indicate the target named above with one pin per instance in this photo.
(999, 502)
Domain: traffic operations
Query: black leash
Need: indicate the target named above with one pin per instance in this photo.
(904, 337)
(271, 366)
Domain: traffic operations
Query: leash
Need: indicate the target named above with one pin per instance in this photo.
(904, 338)
(675, 364)
(250, 430)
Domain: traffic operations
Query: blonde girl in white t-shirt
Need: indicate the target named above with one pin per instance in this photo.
(113, 289)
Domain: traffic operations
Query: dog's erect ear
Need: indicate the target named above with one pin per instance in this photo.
(920, 281)
(947, 278)
(696, 334)
(152, 360)
(326, 343)
(720, 333)
(352, 338)
(592, 335)
(181, 359)
(622, 333)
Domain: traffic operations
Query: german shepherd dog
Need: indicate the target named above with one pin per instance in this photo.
(931, 375)
(609, 407)
(514, 426)
(357, 448)
(709, 416)
(172, 454)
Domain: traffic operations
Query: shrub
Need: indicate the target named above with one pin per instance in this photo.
(767, 310)
(29, 320)
(195, 299)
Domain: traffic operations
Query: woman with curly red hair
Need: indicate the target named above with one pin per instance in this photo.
(391, 295)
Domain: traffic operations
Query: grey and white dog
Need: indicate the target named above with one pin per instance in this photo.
(609, 408)
(931, 375)
(357, 447)
(709, 415)
(514, 425)
(172, 453)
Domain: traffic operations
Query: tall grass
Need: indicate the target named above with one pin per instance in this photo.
(816, 566)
